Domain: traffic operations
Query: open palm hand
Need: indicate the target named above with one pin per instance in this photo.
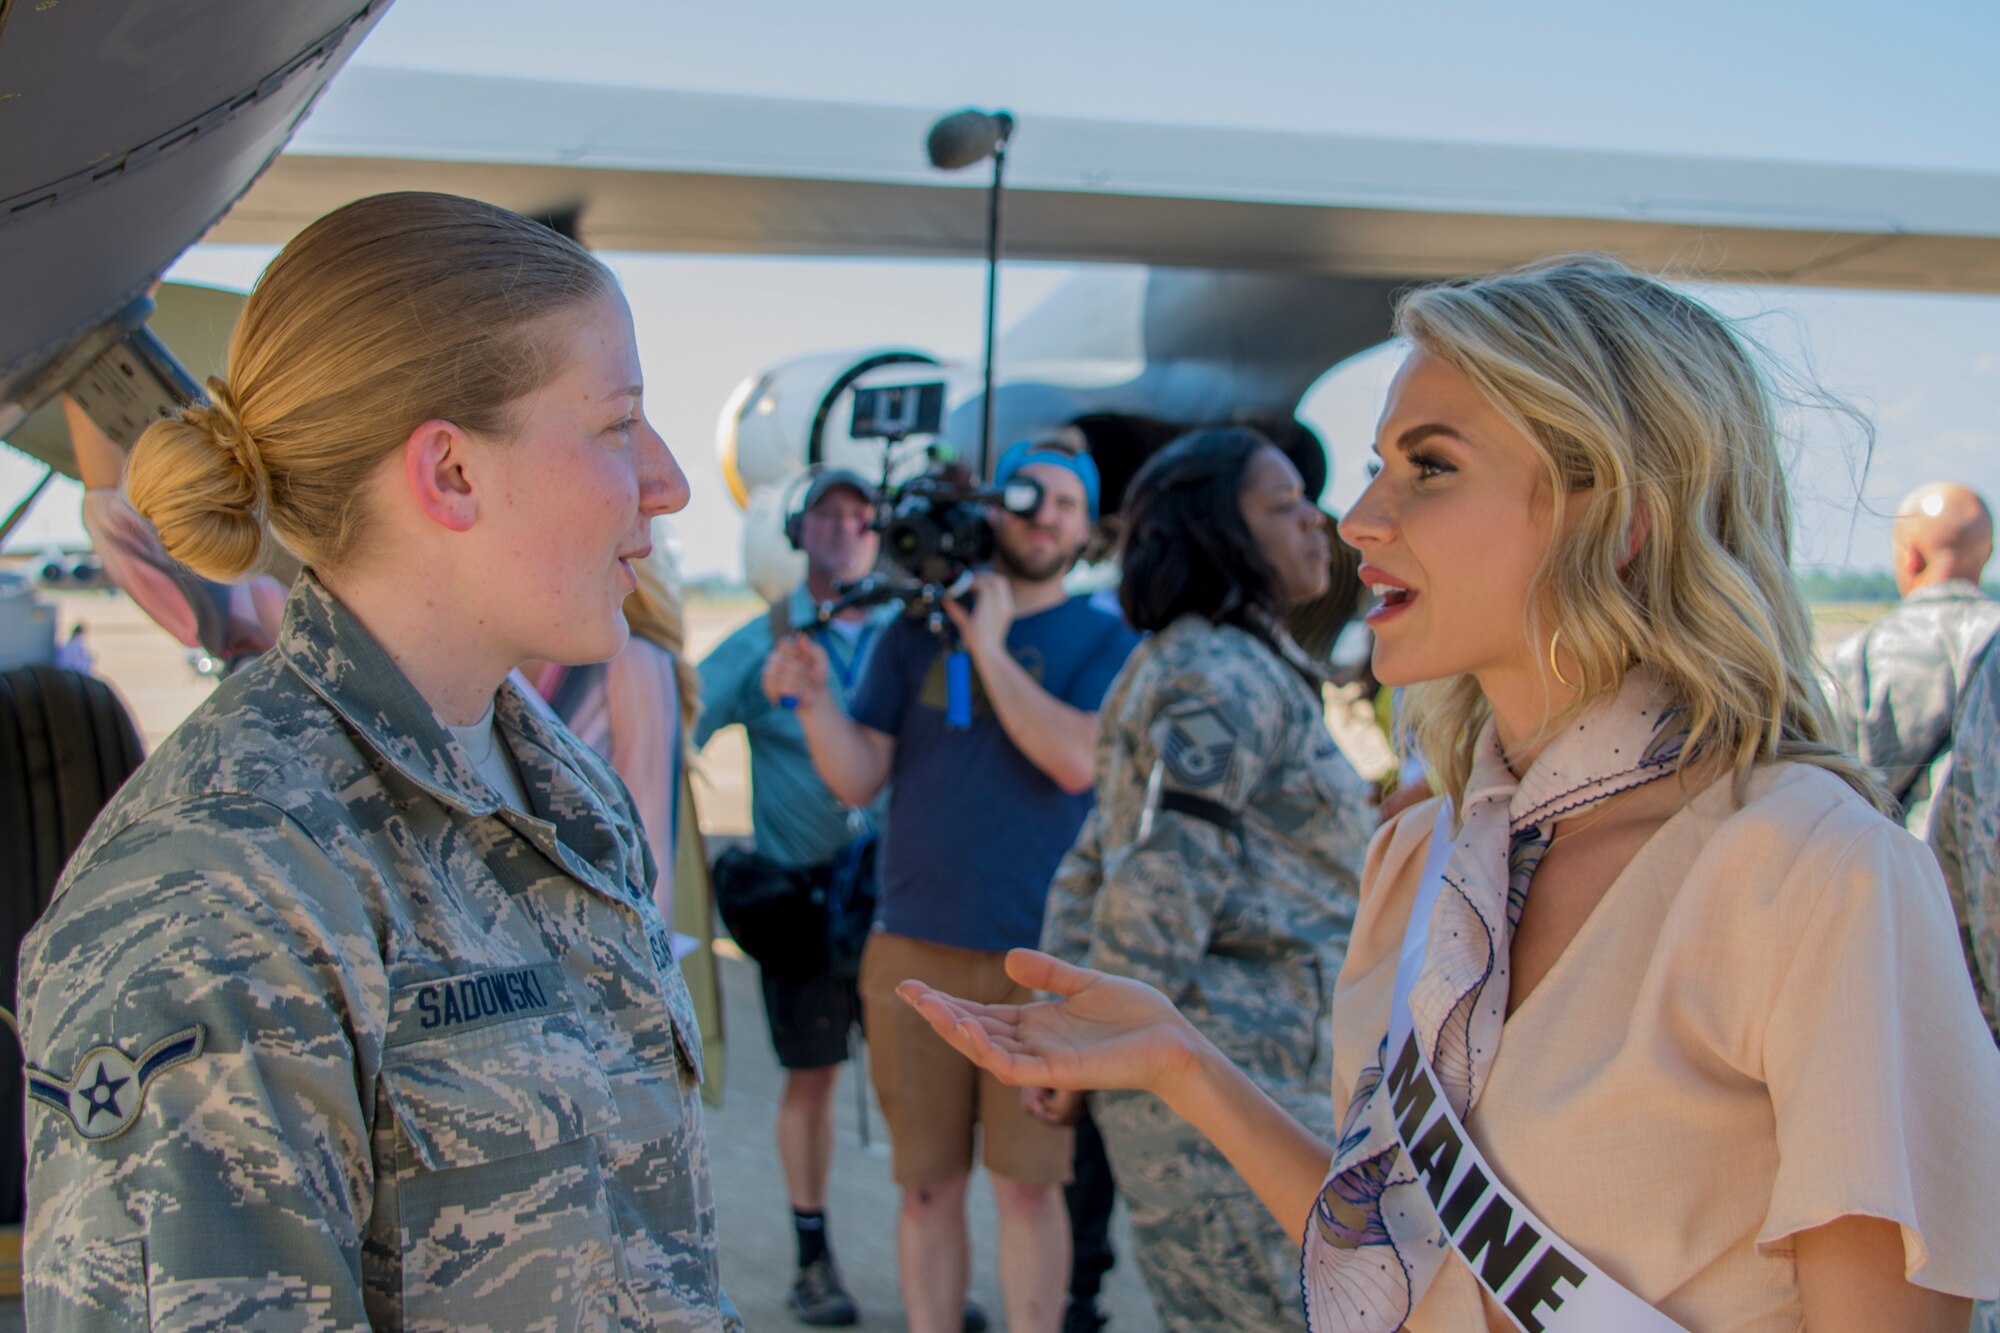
(1101, 1032)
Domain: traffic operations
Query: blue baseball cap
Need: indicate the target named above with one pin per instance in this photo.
(1025, 452)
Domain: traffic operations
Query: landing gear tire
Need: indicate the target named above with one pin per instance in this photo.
(66, 746)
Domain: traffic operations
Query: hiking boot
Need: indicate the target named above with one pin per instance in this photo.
(975, 1318)
(1083, 1317)
(818, 1298)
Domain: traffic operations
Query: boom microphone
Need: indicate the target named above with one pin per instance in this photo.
(959, 140)
(966, 137)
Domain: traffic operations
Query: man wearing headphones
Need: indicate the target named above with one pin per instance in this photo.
(979, 817)
(799, 824)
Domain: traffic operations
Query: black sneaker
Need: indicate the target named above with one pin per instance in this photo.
(1083, 1317)
(817, 1297)
(975, 1319)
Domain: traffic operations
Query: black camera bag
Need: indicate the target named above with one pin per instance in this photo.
(799, 922)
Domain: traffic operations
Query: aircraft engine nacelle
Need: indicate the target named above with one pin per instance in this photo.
(777, 425)
(59, 569)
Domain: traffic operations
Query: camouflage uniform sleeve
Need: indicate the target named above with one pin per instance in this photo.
(1210, 741)
(1844, 676)
(202, 1025)
(1965, 832)
(1073, 892)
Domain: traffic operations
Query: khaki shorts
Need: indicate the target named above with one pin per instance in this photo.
(930, 1094)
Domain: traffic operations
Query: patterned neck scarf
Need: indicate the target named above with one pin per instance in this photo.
(1374, 1243)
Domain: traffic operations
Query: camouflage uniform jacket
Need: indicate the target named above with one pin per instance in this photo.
(1221, 861)
(320, 1036)
(1965, 831)
(1896, 685)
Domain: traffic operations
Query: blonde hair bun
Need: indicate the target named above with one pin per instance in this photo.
(199, 480)
(384, 314)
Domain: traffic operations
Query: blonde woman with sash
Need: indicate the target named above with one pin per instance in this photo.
(1653, 1019)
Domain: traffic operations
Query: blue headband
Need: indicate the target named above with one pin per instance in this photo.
(1079, 466)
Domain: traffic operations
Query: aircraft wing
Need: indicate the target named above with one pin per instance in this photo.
(703, 172)
(128, 129)
(194, 321)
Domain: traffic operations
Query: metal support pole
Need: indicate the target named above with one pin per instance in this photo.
(21, 510)
(992, 308)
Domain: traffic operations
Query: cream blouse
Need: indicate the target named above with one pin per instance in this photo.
(1763, 1026)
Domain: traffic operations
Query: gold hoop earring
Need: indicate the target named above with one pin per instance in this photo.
(1566, 682)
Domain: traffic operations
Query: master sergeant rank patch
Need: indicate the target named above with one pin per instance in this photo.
(1198, 748)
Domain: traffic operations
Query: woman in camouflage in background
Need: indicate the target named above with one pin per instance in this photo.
(1220, 862)
(354, 1008)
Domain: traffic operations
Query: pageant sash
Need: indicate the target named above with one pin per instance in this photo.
(1540, 1280)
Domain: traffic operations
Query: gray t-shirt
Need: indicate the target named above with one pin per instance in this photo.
(489, 754)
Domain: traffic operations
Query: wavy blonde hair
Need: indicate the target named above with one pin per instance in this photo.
(1649, 401)
(384, 314)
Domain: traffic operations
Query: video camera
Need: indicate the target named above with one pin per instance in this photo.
(934, 527)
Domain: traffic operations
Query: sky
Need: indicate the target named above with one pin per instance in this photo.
(1834, 81)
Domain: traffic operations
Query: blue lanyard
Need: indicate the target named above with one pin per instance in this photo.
(849, 670)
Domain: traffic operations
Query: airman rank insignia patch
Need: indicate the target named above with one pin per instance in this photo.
(103, 1099)
(1198, 748)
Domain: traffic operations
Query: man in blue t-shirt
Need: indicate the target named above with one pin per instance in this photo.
(979, 817)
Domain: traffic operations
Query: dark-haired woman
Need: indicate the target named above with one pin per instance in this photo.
(1221, 861)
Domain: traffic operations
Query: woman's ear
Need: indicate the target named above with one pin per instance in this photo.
(1636, 533)
(434, 459)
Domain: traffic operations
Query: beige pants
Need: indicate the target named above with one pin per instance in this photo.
(931, 1095)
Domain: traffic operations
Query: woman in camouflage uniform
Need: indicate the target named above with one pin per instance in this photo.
(354, 1008)
(1220, 862)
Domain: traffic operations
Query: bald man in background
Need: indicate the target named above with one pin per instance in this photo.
(1898, 682)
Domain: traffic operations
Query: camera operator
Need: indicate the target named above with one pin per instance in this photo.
(979, 817)
(799, 824)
